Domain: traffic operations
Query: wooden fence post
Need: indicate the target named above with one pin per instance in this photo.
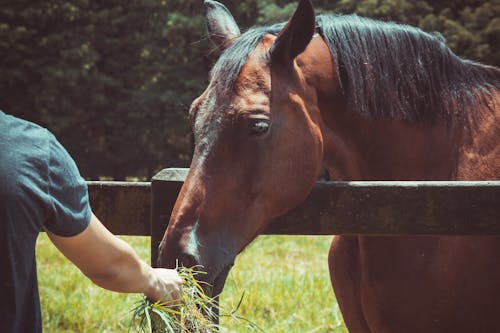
(165, 187)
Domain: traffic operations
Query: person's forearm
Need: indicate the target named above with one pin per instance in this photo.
(108, 261)
(126, 272)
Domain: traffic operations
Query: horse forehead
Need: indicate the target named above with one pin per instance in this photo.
(251, 91)
(255, 75)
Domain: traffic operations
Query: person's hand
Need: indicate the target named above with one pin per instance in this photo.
(167, 286)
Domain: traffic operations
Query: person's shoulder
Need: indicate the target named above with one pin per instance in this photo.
(22, 142)
(24, 157)
(17, 132)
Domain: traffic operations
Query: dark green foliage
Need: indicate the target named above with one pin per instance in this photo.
(105, 77)
(114, 79)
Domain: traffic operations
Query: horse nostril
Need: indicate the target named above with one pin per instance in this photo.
(187, 260)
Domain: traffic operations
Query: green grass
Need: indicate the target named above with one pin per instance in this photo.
(285, 280)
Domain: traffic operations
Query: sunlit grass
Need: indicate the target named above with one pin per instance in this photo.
(285, 280)
(287, 285)
(71, 303)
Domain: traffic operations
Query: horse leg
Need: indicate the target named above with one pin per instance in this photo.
(344, 265)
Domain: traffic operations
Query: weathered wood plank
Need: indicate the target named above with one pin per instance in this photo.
(123, 207)
(396, 208)
(454, 208)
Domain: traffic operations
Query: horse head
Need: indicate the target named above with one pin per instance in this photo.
(258, 144)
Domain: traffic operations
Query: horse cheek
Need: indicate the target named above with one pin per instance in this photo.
(296, 168)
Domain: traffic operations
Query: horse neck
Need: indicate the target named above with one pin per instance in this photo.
(358, 148)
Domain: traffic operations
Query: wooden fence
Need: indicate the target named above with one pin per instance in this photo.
(332, 208)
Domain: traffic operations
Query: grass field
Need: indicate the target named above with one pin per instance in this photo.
(285, 280)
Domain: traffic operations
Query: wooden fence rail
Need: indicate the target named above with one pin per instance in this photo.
(332, 208)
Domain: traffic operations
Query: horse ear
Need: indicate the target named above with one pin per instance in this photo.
(221, 26)
(295, 35)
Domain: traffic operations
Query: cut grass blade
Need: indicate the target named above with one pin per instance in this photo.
(195, 313)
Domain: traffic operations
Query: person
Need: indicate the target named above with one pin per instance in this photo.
(41, 189)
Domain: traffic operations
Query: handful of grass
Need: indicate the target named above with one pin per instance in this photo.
(195, 313)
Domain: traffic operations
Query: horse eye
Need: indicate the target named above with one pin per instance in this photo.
(259, 127)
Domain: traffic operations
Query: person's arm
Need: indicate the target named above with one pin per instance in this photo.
(112, 264)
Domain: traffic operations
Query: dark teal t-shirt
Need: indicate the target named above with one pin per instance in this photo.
(40, 187)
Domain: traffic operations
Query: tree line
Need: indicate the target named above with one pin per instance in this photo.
(113, 79)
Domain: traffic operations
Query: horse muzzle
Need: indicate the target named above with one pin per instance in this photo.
(212, 262)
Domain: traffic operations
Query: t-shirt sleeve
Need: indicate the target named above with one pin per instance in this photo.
(69, 204)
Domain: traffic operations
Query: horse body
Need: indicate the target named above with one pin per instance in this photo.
(283, 101)
(408, 283)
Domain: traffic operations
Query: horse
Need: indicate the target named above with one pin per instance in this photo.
(368, 100)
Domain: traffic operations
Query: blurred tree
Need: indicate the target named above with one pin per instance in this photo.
(91, 72)
(471, 30)
(114, 79)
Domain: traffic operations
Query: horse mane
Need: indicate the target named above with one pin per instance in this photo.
(396, 71)
(386, 70)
